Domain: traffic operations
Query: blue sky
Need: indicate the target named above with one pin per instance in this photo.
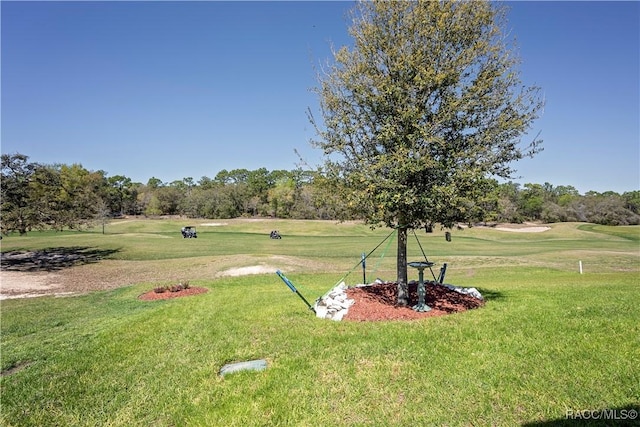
(185, 89)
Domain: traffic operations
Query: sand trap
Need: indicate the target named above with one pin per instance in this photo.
(524, 229)
(213, 224)
(243, 271)
(147, 235)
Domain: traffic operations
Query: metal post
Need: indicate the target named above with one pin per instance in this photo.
(421, 290)
(364, 268)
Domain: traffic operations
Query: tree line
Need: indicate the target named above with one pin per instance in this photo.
(37, 196)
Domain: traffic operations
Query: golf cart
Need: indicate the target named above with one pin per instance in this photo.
(275, 234)
(189, 232)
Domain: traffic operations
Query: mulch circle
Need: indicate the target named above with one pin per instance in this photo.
(378, 302)
(154, 296)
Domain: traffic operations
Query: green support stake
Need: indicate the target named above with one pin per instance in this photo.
(294, 290)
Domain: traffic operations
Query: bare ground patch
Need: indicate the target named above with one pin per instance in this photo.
(30, 278)
(15, 368)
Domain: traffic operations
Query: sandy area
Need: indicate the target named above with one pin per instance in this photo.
(523, 229)
(243, 271)
(17, 284)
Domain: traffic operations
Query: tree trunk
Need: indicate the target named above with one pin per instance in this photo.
(403, 288)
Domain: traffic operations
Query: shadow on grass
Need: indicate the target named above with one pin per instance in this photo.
(51, 259)
(623, 416)
(490, 294)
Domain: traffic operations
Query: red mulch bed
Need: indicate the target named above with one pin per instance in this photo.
(153, 295)
(378, 302)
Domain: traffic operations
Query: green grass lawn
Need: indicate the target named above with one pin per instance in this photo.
(548, 341)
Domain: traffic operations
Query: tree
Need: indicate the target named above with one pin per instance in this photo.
(632, 201)
(532, 201)
(67, 196)
(508, 197)
(154, 183)
(18, 213)
(169, 199)
(47, 196)
(282, 197)
(421, 112)
(120, 195)
(565, 194)
(259, 182)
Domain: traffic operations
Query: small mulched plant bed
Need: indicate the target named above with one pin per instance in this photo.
(155, 295)
(378, 302)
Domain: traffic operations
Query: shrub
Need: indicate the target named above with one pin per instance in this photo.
(183, 284)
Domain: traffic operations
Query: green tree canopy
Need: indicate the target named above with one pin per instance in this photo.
(422, 111)
(38, 196)
(18, 211)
